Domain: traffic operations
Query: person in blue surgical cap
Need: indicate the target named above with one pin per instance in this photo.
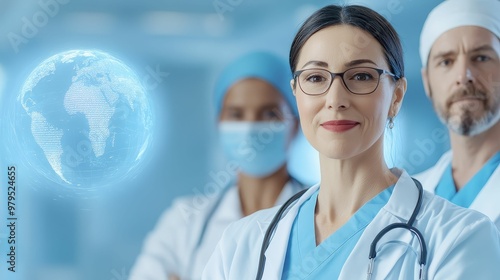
(257, 120)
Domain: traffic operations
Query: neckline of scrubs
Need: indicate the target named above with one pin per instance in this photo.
(465, 196)
(304, 258)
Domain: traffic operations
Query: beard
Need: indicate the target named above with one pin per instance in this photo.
(471, 119)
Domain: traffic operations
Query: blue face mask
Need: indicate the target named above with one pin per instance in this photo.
(258, 148)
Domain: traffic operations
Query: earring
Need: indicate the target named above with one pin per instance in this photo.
(391, 122)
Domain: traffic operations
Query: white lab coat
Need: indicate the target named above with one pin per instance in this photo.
(171, 248)
(486, 201)
(461, 243)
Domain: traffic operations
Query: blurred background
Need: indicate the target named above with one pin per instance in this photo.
(177, 49)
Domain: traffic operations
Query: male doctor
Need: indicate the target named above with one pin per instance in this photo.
(460, 52)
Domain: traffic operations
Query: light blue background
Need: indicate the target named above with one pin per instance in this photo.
(71, 237)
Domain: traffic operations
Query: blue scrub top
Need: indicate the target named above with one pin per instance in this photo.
(305, 260)
(447, 189)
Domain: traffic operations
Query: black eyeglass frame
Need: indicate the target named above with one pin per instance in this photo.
(380, 72)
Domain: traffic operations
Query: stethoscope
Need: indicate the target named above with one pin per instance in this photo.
(373, 252)
(295, 183)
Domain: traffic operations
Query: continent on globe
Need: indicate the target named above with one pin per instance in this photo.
(84, 119)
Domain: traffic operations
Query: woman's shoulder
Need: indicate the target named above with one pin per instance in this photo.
(196, 207)
(240, 242)
(186, 215)
(255, 224)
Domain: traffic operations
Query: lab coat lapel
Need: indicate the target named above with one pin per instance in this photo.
(230, 201)
(276, 252)
(430, 178)
(486, 200)
(397, 210)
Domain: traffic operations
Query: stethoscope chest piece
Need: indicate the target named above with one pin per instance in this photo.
(406, 226)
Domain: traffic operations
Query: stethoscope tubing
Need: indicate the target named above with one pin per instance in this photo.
(270, 231)
(373, 253)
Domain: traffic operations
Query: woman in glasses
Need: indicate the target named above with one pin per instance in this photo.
(363, 220)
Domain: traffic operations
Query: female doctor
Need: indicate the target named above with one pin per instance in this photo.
(257, 120)
(363, 220)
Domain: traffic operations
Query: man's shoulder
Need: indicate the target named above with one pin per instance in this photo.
(438, 167)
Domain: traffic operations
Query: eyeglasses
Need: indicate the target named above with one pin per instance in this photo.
(358, 80)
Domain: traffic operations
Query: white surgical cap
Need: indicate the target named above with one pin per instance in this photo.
(455, 13)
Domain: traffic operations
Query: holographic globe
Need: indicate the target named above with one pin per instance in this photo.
(84, 119)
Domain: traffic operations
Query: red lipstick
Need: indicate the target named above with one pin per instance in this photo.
(339, 126)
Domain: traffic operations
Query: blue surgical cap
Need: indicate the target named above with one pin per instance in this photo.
(261, 65)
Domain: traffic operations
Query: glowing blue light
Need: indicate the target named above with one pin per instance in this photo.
(82, 120)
